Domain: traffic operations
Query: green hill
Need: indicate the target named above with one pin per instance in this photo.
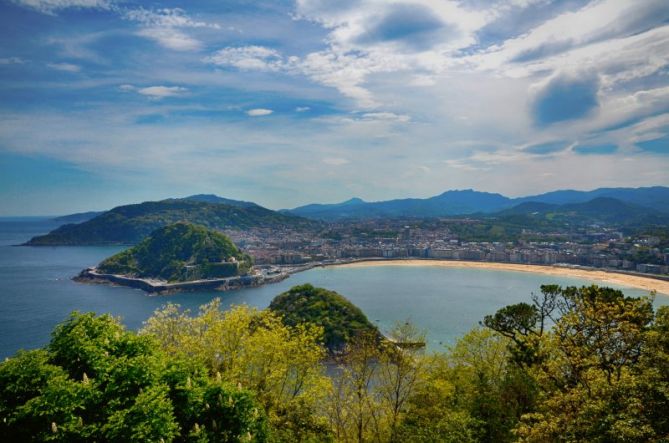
(340, 318)
(180, 252)
(131, 223)
(598, 210)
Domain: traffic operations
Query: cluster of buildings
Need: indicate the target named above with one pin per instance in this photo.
(391, 239)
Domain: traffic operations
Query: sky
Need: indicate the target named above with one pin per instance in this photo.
(109, 102)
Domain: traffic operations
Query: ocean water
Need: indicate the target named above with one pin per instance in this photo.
(36, 291)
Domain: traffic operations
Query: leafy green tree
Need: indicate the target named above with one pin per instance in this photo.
(400, 369)
(352, 407)
(340, 319)
(96, 381)
(600, 370)
(255, 349)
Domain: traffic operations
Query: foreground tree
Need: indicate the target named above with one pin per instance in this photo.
(601, 370)
(255, 349)
(98, 382)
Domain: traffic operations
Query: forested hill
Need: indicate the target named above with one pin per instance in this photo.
(180, 252)
(341, 320)
(129, 224)
(599, 210)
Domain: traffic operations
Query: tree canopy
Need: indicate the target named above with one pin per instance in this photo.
(574, 365)
(96, 381)
(180, 252)
(340, 319)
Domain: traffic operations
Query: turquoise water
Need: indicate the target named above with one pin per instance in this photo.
(36, 291)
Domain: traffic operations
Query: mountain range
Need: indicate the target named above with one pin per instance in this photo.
(129, 224)
(468, 202)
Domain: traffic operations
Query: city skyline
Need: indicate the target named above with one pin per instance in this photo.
(106, 102)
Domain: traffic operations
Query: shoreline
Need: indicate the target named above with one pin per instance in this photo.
(161, 287)
(660, 285)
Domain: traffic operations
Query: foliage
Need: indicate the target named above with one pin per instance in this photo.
(254, 349)
(340, 319)
(98, 382)
(601, 370)
(577, 364)
(180, 252)
(372, 384)
(353, 407)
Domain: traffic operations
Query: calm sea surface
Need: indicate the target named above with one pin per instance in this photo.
(36, 291)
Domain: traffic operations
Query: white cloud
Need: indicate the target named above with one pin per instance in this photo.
(167, 18)
(335, 161)
(302, 109)
(51, 6)
(171, 38)
(247, 58)
(386, 116)
(343, 71)
(165, 26)
(158, 92)
(11, 61)
(599, 36)
(67, 67)
(258, 112)
(437, 109)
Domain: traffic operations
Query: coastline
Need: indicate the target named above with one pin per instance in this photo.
(161, 287)
(661, 286)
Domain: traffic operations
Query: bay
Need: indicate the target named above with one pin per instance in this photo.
(37, 293)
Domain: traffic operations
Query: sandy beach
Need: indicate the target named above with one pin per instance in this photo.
(599, 276)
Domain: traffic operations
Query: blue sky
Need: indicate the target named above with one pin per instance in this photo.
(107, 102)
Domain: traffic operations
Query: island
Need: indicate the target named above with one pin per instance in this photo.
(181, 257)
(340, 319)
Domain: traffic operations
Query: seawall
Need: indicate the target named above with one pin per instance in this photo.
(90, 275)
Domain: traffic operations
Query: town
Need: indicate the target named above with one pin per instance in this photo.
(591, 246)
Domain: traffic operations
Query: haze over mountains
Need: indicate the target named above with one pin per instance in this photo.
(465, 202)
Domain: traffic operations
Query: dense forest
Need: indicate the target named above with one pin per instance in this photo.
(180, 252)
(575, 364)
(340, 319)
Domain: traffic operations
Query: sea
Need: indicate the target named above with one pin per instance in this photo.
(37, 291)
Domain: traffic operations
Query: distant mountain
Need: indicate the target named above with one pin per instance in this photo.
(449, 203)
(211, 198)
(205, 198)
(129, 224)
(346, 209)
(78, 217)
(180, 252)
(656, 197)
(598, 210)
(466, 202)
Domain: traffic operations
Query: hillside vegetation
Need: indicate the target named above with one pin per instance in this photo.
(131, 223)
(180, 252)
(575, 365)
(340, 319)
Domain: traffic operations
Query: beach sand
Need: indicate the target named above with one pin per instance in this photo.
(634, 281)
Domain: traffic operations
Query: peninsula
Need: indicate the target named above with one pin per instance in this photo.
(177, 257)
